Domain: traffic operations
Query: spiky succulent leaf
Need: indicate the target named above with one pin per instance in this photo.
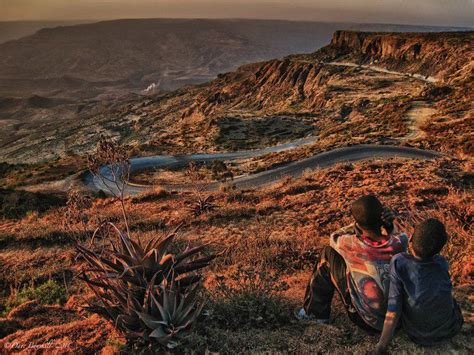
(146, 291)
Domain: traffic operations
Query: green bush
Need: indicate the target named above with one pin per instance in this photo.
(49, 292)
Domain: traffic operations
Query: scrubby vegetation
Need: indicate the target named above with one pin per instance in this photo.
(50, 292)
(16, 175)
(267, 241)
(16, 204)
(250, 298)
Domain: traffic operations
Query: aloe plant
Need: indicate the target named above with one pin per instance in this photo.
(146, 290)
(169, 314)
(149, 293)
(201, 205)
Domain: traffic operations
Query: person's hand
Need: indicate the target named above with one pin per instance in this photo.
(388, 216)
(380, 349)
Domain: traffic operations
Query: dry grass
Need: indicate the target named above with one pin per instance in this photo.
(280, 230)
(452, 129)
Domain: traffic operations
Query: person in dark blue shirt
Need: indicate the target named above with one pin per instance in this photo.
(420, 291)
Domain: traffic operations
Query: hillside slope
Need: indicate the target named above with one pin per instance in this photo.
(282, 99)
(267, 239)
(346, 104)
(446, 57)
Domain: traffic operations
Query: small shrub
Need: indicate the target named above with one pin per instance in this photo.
(229, 188)
(250, 298)
(201, 204)
(49, 292)
(220, 171)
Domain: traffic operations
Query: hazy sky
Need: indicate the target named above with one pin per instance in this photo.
(430, 12)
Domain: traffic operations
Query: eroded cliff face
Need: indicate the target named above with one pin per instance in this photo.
(301, 81)
(273, 85)
(317, 85)
(446, 56)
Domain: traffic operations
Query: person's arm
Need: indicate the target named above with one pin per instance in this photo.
(394, 309)
(388, 218)
(389, 326)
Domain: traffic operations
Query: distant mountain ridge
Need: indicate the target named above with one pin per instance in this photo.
(115, 57)
(11, 30)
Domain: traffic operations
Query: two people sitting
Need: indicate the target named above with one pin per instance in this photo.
(385, 280)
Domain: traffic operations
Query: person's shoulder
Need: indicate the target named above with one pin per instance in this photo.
(400, 257)
(344, 231)
(399, 260)
(441, 260)
(342, 239)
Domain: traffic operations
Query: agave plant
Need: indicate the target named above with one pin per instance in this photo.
(168, 314)
(201, 205)
(148, 292)
(137, 264)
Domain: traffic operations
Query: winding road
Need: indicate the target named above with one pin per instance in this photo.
(427, 79)
(293, 169)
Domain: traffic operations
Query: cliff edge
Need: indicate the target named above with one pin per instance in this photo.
(446, 56)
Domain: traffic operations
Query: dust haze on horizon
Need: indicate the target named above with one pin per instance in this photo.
(420, 12)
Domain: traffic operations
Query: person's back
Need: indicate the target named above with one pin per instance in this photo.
(421, 291)
(368, 266)
(356, 264)
(430, 314)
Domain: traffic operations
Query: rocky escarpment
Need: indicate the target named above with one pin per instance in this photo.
(358, 91)
(301, 81)
(446, 56)
(274, 85)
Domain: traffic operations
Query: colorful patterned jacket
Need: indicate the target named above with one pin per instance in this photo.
(368, 265)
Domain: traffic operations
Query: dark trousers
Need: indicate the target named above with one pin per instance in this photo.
(328, 276)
